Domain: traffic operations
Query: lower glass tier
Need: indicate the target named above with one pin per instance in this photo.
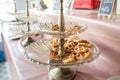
(39, 53)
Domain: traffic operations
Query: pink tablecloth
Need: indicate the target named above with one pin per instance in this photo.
(106, 35)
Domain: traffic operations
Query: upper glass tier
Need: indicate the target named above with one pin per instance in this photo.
(71, 28)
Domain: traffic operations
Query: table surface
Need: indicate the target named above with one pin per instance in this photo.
(104, 33)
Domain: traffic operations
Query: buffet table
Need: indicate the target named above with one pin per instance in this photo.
(105, 34)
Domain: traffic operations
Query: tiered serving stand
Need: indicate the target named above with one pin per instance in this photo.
(38, 52)
(28, 27)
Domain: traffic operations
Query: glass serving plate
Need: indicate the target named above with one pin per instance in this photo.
(33, 18)
(46, 28)
(38, 53)
(16, 22)
(35, 50)
(23, 29)
(22, 18)
(15, 13)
